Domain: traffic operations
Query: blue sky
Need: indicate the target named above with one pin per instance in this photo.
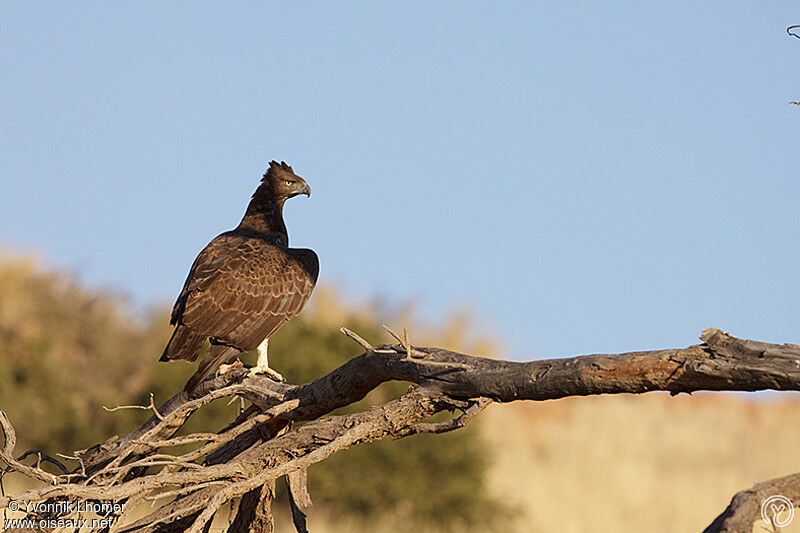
(588, 177)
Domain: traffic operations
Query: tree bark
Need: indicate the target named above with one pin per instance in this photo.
(255, 514)
(745, 507)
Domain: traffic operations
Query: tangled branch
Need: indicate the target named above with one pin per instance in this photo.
(240, 463)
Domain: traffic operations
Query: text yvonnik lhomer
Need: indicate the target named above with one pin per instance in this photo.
(67, 507)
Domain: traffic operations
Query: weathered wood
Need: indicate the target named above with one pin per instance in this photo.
(299, 499)
(254, 514)
(745, 507)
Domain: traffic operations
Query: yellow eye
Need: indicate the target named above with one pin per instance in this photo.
(287, 182)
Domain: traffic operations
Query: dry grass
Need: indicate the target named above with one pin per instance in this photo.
(637, 463)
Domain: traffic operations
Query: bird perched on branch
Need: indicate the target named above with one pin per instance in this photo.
(245, 284)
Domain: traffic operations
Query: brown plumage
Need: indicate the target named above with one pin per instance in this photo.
(246, 283)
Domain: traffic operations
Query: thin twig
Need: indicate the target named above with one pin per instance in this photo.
(14, 464)
(404, 340)
(183, 491)
(152, 407)
(178, 441)
(393, 334)
(453, 424)
(247, 425)
(364, 344)
(75, 458)
(183, 411)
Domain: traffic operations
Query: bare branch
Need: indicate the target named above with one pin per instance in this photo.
(364, 344)
(299, 499)
(254, 513)
(746, 506)
(15, 464)
(74, 458)
(151, 407)
(393, 334)
(450, 425)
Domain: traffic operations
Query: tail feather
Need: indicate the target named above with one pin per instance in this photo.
(184, 344)
(215, 355)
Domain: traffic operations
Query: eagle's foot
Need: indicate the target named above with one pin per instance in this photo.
(273, 375)
(226, 368)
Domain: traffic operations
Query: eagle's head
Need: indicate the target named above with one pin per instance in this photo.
(265, 211)
(280, 183)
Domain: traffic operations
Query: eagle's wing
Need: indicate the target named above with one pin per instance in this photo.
(205, 266)
(240, 291)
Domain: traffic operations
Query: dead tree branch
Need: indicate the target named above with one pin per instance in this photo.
(241, 462)
(746, 506)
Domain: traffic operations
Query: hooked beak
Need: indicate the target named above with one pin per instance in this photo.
(306, 190)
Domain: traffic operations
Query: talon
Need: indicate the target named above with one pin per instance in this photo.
(227, 368)
(275, 376)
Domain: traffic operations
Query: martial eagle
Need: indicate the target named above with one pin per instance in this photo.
(245, 284)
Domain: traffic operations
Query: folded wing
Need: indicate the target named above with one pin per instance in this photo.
(239, 291)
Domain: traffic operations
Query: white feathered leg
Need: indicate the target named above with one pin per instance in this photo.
(262, 365)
